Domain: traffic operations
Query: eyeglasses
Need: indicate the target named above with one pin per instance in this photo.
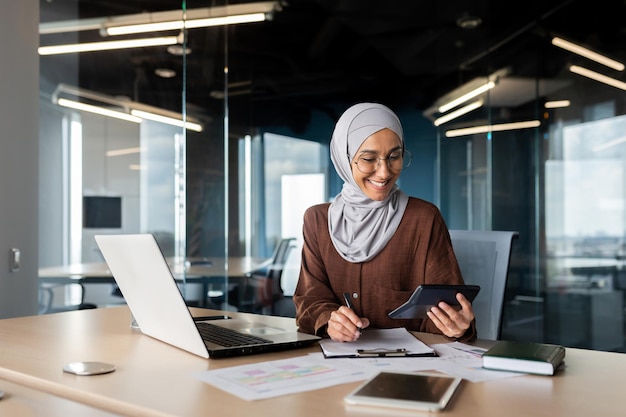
(369, 162)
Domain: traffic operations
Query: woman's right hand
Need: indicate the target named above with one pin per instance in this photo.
(345, 326)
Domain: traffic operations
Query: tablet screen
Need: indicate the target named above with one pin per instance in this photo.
(406, 390)
(426, 296)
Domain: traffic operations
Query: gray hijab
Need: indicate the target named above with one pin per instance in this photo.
(359, 226)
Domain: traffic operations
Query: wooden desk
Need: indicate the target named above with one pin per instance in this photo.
(21, 401)
(206, 273)
(153, 378)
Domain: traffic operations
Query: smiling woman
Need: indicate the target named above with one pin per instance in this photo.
(374, 242)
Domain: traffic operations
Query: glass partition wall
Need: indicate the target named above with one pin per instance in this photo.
(226, 195)
(114, 152)
(552, 168)
(169, 152)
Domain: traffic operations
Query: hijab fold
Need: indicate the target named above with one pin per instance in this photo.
(359, 226)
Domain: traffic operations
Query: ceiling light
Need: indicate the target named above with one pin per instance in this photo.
(594, 56)
(193, 18)
(186, 24)
(469, 22)
(178, 50)
(97, 110)
(105, 46)
(165, 72)
(469, 90)
(196, 127)
(458, 113)
(124, 151)
(467, 96)
(598, 77)
(492, 128)
(75, 25)
(556, 104)
(229, 14)
(132, 111)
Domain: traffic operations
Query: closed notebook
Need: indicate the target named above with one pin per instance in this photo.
(527, 357)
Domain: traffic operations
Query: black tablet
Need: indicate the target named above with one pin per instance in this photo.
(426, 296)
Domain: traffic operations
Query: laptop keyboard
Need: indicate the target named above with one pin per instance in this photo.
(228, 337)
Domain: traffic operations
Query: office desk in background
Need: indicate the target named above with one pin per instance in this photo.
(584, 302)
(206, 271)
(153, 378)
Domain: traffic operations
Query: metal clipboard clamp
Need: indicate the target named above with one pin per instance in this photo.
(380, 352)
(378, 343)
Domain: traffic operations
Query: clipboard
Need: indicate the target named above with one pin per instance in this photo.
(389, 343)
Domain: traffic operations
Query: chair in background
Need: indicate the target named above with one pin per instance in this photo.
(484, 256)
(46, 299)
(263, 288)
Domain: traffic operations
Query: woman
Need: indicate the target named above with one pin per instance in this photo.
(373, 241)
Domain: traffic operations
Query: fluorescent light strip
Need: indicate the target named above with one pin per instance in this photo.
(188, 24)
(556, 104)
(467, 96)
(105, 46)
(492, 128)
(594, 56)
(458, 113)
(598, 77)
(97, 110)
(75, 25)
(609, 144)
(125, 151)
(167, 120)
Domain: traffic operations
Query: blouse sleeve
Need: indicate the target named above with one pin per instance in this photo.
(313, 298)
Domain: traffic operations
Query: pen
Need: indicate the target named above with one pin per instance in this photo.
(346, 297)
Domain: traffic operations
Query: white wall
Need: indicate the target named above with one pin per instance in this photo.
(19, 142)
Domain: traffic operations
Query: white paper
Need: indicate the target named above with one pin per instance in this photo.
(288, 376)
(382, 340)
(270, 379)
(465, 361)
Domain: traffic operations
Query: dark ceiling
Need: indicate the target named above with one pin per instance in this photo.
(324, 54)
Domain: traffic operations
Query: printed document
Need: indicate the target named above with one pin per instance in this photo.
(378, 342)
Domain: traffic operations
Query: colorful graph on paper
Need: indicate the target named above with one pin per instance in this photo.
(274, 378)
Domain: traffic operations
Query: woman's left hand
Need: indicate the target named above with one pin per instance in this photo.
(452, 322)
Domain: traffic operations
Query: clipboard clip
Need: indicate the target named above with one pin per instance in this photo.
(380, 352)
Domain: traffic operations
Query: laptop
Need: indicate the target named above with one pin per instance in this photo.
(154, 298)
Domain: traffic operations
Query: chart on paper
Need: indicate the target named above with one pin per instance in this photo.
(274, 378)
(262, 378)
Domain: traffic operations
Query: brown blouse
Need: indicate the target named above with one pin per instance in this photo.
(420, 252)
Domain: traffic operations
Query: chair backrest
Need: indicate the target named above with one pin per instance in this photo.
(267, 281)
(484, 256)
(282, 251)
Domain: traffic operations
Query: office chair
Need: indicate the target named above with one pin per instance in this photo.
(46, 299)
(484, 256)
(263, 287)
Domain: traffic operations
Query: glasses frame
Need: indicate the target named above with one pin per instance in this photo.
(406, 156)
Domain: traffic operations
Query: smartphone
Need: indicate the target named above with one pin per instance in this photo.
(427, 296)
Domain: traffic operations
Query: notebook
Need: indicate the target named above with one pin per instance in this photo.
(154, 298)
